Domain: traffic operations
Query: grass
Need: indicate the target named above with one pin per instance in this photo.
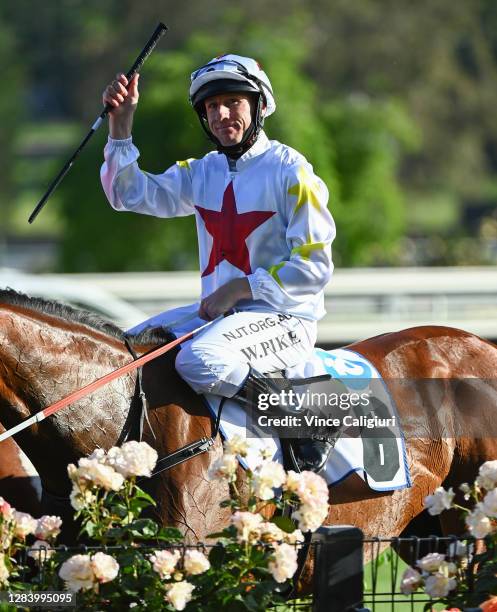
(385, 574)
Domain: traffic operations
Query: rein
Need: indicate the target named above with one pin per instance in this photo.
(96, 384)
(141, 393)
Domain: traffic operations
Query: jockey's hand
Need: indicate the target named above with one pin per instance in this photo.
(224, 298)
(123, 99)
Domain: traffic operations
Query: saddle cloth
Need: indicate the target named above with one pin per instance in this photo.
(379, 457)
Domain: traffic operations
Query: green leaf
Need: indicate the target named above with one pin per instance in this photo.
(217, 556)
(170, 533)
(142, 495)
(89, 528)
(143, 527)
(285, 523)
(115, 533)
(127, 561)
(119, 509)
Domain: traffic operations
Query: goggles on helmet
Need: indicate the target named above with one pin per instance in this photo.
(232, 73)
(235, 68)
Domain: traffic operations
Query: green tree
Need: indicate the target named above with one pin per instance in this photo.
(355, 148)
(369, 139)
(166, 129)
(10, 111)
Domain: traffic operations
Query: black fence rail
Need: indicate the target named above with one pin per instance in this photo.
(350, 573)
(357, 574)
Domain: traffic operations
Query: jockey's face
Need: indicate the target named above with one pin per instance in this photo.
(229, 115)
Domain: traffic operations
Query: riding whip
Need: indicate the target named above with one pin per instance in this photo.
(86, 390)
(147, 50)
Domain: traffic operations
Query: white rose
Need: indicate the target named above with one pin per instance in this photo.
(431, 562)
(309, 487)
(78, 476)
(311, 516)
(195, 562)
(294, 538)
(4, 572)
(478, 523)
(248, 525)
(77, 573)
(271, 533)
(284, 565)
(440, 500)
(410, 581)
(223, 468)
(104, 567)
(465, 488)
(164, 562)
(236, 446)
(6, 510)
(266, 453)
(25, 524)
(437, 585)
(40, 551)
(312, 488)
(6, 535)
(487, 475)
(101, 475)
(179, 594)
(81, 499)
(133, 459)
(72, 472)
(48, 527)
(268, 476)
(447, 568)
(292, 481)
(489, 505)
(99, 455)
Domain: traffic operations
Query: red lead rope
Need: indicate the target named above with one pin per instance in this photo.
(84, 391)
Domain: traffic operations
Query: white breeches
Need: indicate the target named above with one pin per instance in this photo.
(217, 359)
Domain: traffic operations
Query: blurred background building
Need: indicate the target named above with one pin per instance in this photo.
(393, 102)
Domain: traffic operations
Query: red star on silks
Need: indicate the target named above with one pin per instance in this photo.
(229, 229)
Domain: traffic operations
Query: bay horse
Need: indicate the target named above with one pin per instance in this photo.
(48, 350)
(19, 481)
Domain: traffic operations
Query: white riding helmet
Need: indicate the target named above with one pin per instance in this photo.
(244, 73)
(232, 73)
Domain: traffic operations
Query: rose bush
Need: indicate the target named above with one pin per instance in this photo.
(130, 562)
(463, 578)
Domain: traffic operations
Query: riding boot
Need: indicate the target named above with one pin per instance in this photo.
(303, 453)
(311, 453)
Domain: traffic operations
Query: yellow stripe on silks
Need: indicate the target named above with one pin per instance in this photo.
(185, 163)
(305, 250)
(273, 270)
(306, 190)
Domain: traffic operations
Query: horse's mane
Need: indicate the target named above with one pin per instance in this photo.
(84, 317)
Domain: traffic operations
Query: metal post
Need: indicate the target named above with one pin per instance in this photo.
(338, 573)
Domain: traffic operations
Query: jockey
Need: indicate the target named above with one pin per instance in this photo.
(264, 234)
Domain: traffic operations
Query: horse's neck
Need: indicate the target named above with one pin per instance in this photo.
(49, 357)
(44, 359)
